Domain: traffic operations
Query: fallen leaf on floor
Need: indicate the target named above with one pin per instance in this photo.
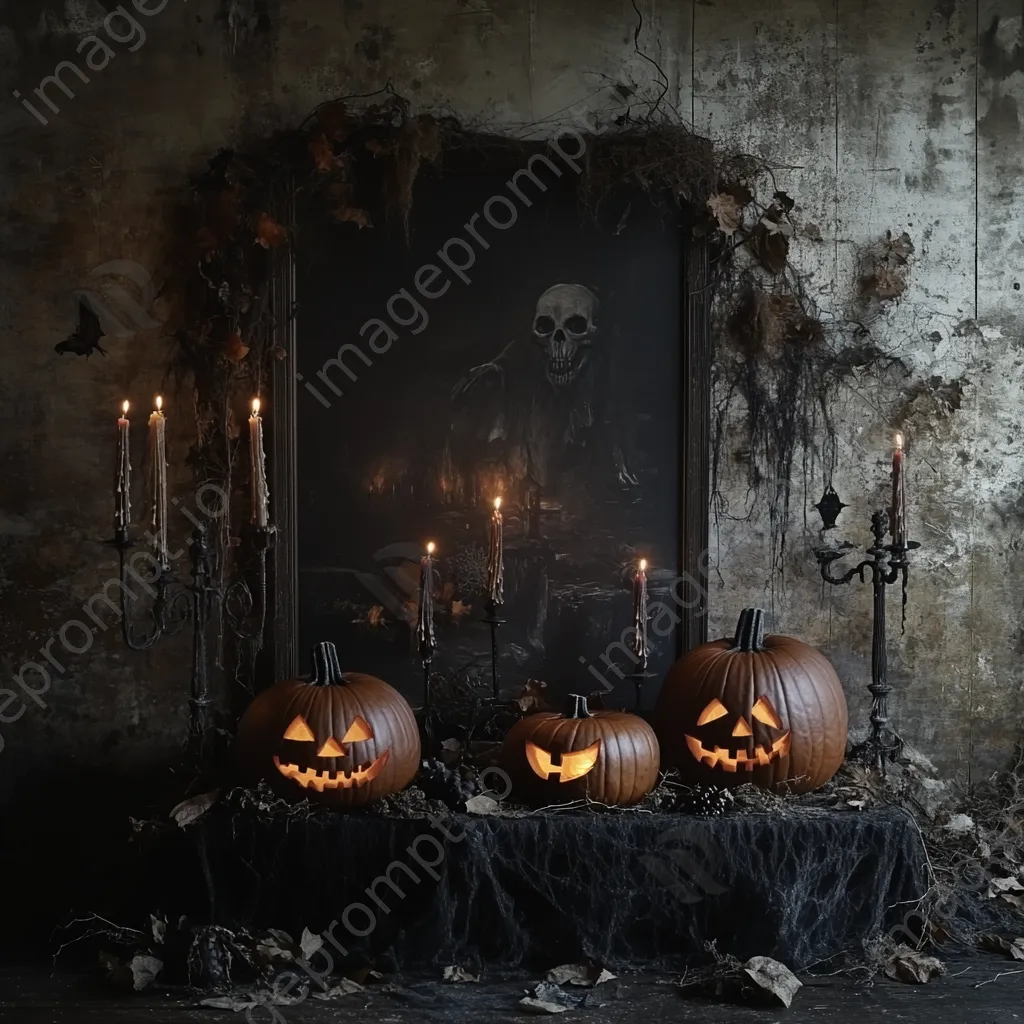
(583, 975)
(773, 978)
(144, 970)
(159, 928)
(193, 808)
(858, 804)
(541, 1006)
(912, 967)
(310, 943)
(246, 1001)
(451, 750)
(345, 987)
(459, 974)
(1013, 948)
(547, 994)
(482, 804)
(1012, 899)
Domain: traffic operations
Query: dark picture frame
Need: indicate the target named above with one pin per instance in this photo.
(494, 155)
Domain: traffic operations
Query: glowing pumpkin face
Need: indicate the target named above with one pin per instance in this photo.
(341, 777)
(739, 751)
(769, 710)
(607, 756)
(341, 738)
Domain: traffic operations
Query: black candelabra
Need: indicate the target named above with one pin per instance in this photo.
(886, 564)
(173, 603)
(494, 620)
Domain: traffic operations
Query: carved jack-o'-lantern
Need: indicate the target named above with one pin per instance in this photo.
(768, 710)
(340, 738)
(608, 756)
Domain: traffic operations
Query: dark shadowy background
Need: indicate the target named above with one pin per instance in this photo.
(398, 460)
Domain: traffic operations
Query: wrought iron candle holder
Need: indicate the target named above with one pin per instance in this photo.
(174, 603)
(887, 564)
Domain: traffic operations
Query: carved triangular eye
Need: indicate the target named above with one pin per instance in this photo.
(716, 709)
(298, 730)
(764, 712)
(330, 749)
(358, 731)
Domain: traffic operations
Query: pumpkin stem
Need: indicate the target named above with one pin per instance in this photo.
(750, 630)
(326, 667)
(576, 707)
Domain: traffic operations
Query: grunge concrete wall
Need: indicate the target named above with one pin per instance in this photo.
(874, 117)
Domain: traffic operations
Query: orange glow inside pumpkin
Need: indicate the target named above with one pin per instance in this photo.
(358, 732)
(574, 763)
(742, 758)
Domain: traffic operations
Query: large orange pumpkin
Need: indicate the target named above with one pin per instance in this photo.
(763, 709)
(340, 738)
(608, 756)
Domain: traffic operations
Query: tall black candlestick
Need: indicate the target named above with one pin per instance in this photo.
(425, 627)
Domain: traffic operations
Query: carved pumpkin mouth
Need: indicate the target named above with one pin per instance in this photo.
(742, 759)
(311, 778)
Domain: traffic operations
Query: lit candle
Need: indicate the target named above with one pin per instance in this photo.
(640, 645)
(898, 526)
(122, 476)
(158, 482)
(496, 558)
(425, 629)
(258, 469)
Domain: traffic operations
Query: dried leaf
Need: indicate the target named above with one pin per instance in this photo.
(159, 928)
(345, 987)
(459, 608)
(727, 212)
(582, 975)
(532, 698)
(194, 808)
(144, 970)
(1014, 949)
(482, 804)
(770, 249)
(547, 997)
(901, 248)
(269, 233)
(1012, 899)
(998, 885)
(458, 975)
(324, 158)
(532, 1005)
(310, 943)
(912, 967)
(245, 1001)
(784, 202)
(773, 978)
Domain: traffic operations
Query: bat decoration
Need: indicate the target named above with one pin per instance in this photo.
(87, 336)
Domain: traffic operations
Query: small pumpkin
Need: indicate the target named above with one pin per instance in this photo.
(342, 739)
(763, 709)
(608, 756)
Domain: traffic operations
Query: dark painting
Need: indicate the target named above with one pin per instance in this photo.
(537, 361)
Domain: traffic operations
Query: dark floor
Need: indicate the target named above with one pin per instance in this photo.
(972, 993)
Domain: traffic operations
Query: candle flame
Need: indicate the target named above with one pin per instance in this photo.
(643, 564)
(497, 504)
(159, 403)
(124, 407)
(899, 441)
(255, 407)
(430, 548)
